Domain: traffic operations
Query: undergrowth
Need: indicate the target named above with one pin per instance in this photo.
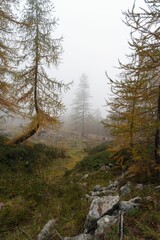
(31, 195)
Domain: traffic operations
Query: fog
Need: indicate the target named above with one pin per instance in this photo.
(94, 38)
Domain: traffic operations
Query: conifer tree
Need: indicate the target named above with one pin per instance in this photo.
(38, 93)
(81, 106)
(145, 34)
(135, 110)
(7, 55)
(124, 117)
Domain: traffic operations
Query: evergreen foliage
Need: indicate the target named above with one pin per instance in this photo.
(81, 106)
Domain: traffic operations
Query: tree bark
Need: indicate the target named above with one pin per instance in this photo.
(156, 144)
(25, 136)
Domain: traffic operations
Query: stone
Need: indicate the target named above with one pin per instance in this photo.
(113, 186)
(104, 168)
(157, 188)
(149, 198)
(46, 232)
(136, 200)
(100, 206)
(97, 188)
(97, 193)
(85, 176)
(103, 226)
(139, 186)
(124, 190)
(90, 198)
(125, 206)
(82, 236)
(110, 165)
(1, 205)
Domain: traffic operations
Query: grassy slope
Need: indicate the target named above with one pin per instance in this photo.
(44, 187)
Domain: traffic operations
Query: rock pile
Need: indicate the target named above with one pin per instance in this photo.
(105, 209)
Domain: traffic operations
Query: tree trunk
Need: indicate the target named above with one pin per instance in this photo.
(25, 136)
(156, 144)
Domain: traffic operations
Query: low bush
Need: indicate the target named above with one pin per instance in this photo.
(96, 158)
(29, 155)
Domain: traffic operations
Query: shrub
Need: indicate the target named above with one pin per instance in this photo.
(29, 155)
(93, 161)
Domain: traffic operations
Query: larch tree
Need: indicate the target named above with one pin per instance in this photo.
(81, 105)
(135, 108)
(38, 94)
(145, 35)
(7, 55)
(124, 119)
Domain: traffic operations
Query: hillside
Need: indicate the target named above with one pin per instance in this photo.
(39, 183)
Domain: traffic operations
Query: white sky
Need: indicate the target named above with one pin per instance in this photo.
(94, 39)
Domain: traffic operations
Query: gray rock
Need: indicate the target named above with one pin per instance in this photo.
(104, 168)
(2, 205)
(85, 176)
(125, 206)
(149, 198)
(90, 198)
(124, 190)
(80, 237)
(136, 200)
(97, 193)
(139, 186)
(103, 226)
(110, 165)
(157, 188)
(113, 186)
(46, 232)
(97, 188)
(100, 206)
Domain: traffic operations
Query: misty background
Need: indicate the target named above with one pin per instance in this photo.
(94, 38)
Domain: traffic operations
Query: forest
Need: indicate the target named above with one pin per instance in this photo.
(55, 168)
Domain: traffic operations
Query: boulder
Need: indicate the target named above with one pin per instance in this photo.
(124, 190)
(100, 206)
(80, 237)
(103, 226)
(125, 206)
(46, 232)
